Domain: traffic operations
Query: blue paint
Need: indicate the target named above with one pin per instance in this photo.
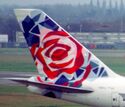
(35, 30)
(95, 70)
(48, 23)
(93, 64)
(36, 18)
(31, 39)
(102, 69)
(62, 80)
(27, 24)
(79, 72)
(104, 74)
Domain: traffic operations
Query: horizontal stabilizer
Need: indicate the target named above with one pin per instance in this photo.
(51, 86)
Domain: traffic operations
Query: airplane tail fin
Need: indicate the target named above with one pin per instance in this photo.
(59, 58)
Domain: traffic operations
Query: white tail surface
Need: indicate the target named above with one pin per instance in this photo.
(59, 58)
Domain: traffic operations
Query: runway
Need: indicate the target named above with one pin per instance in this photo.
(6, 74)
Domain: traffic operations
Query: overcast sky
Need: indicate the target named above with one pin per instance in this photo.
(36, 2)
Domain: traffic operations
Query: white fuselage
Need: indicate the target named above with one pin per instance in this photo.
(108, 92)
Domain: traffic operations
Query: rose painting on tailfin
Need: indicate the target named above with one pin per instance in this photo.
(59, 58)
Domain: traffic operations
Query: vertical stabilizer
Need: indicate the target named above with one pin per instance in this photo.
(59, 58)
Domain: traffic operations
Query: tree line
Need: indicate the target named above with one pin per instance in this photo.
(77, 18)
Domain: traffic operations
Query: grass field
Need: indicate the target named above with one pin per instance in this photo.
(16, 60)
(20, 60)
(19, 96)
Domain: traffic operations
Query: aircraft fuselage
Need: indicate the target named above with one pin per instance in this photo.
(108, 92)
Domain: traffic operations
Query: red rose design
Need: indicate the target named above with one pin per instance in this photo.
(59, 53)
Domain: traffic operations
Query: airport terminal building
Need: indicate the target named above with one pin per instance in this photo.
(92, 40)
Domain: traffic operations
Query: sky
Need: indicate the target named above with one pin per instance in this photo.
(43, 2)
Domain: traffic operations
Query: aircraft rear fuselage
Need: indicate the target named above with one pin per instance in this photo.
(108, 92)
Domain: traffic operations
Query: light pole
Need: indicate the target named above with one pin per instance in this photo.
(80, 29)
